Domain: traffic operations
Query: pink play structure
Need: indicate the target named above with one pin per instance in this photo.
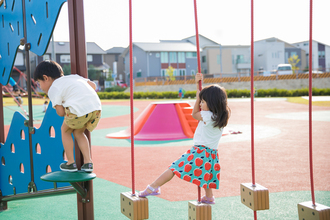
(162, 121)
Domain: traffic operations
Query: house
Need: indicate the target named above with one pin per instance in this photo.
(321, 54)
(62, 55)
(218, 59)
(152, 59)
(270, 52)
(116, 62)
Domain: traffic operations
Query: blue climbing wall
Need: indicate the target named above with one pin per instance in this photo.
(15, 170)
(41, 16)
(14, 153)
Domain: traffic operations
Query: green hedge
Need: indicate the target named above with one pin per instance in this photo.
(234, 93)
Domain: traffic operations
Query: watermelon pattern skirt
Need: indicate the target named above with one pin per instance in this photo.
(199, 165)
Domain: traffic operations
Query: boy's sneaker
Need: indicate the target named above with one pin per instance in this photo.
(68, 168)
(87, 167)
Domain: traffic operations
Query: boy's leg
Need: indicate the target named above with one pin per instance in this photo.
(83, 143)
(67, 142)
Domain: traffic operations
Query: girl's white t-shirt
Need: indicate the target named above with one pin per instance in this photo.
(74, 92)
(205, 133)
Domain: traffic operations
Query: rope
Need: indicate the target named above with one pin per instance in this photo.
(199, 69)
(131, 93)
(310, 99)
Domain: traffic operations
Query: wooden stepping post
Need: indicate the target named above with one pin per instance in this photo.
(256, 197)
(308, 211)
(134, 207)
(199, 211)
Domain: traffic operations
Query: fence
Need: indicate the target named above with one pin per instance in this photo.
(222, 78)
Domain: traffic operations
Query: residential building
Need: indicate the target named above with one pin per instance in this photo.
(320, 53)
(270, 52)
(153, 59)
(226, 59)
(116, 62)
(62, 55)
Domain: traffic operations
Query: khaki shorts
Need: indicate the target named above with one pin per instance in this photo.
(89, 120)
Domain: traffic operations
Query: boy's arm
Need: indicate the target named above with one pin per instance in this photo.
(196, 110)
(92, 84)
(60, 110)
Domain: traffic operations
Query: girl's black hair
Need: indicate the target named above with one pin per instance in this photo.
(48, 68)
(216, 99)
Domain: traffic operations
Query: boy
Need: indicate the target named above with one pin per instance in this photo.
(73, 97)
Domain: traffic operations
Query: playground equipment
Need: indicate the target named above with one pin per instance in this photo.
(33, 29)
(162, 121)
(135, 207)
(253, 195)
(311, 209)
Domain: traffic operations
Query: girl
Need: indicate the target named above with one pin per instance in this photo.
(200, 164)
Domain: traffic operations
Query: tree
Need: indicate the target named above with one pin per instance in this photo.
(170, 73)
(93, 73)
(294, 60)
(67, 69)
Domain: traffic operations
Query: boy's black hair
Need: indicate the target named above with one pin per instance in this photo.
(49, 68)
(216, 99)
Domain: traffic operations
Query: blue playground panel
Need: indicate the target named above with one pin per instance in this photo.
(41, 16)
(50, 154)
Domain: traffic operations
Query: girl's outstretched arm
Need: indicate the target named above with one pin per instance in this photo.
(196, 111)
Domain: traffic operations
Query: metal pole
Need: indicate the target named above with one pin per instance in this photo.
(199, 68)
(131, 94)
(27, 63)
(310, 99)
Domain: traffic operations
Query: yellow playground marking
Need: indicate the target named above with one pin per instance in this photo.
(301, 100)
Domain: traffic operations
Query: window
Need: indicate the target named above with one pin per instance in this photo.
(321, 54)
(116, 57)
(89, 58)
(46, 57)
(306, 44)
(293, 53)
(182, 72)
(181, 57)
(192, 72)
(191, 54)
(65, 58)
(138, 74)
(164, 57)
(203, 59)
(163, 72)
(157, 55)
(173, 58)
(218, 59)
(240, 59)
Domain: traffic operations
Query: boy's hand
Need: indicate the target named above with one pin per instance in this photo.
(199, 77)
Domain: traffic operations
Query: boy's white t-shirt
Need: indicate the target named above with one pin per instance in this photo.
(205, 133)
(74, 92)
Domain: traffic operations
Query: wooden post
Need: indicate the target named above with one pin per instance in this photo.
(79, 66)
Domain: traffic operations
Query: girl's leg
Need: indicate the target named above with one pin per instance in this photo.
(162, 179)
(208, 193)
(83, 143)
(67, 142)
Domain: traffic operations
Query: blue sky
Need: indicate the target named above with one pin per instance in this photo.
(226, 22)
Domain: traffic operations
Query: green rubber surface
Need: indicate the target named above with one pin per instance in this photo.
(61, 176)
(283, 206)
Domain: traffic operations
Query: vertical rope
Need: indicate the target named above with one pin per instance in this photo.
(252, 98)
(131, 94)
(199, 68)
(310, 98)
